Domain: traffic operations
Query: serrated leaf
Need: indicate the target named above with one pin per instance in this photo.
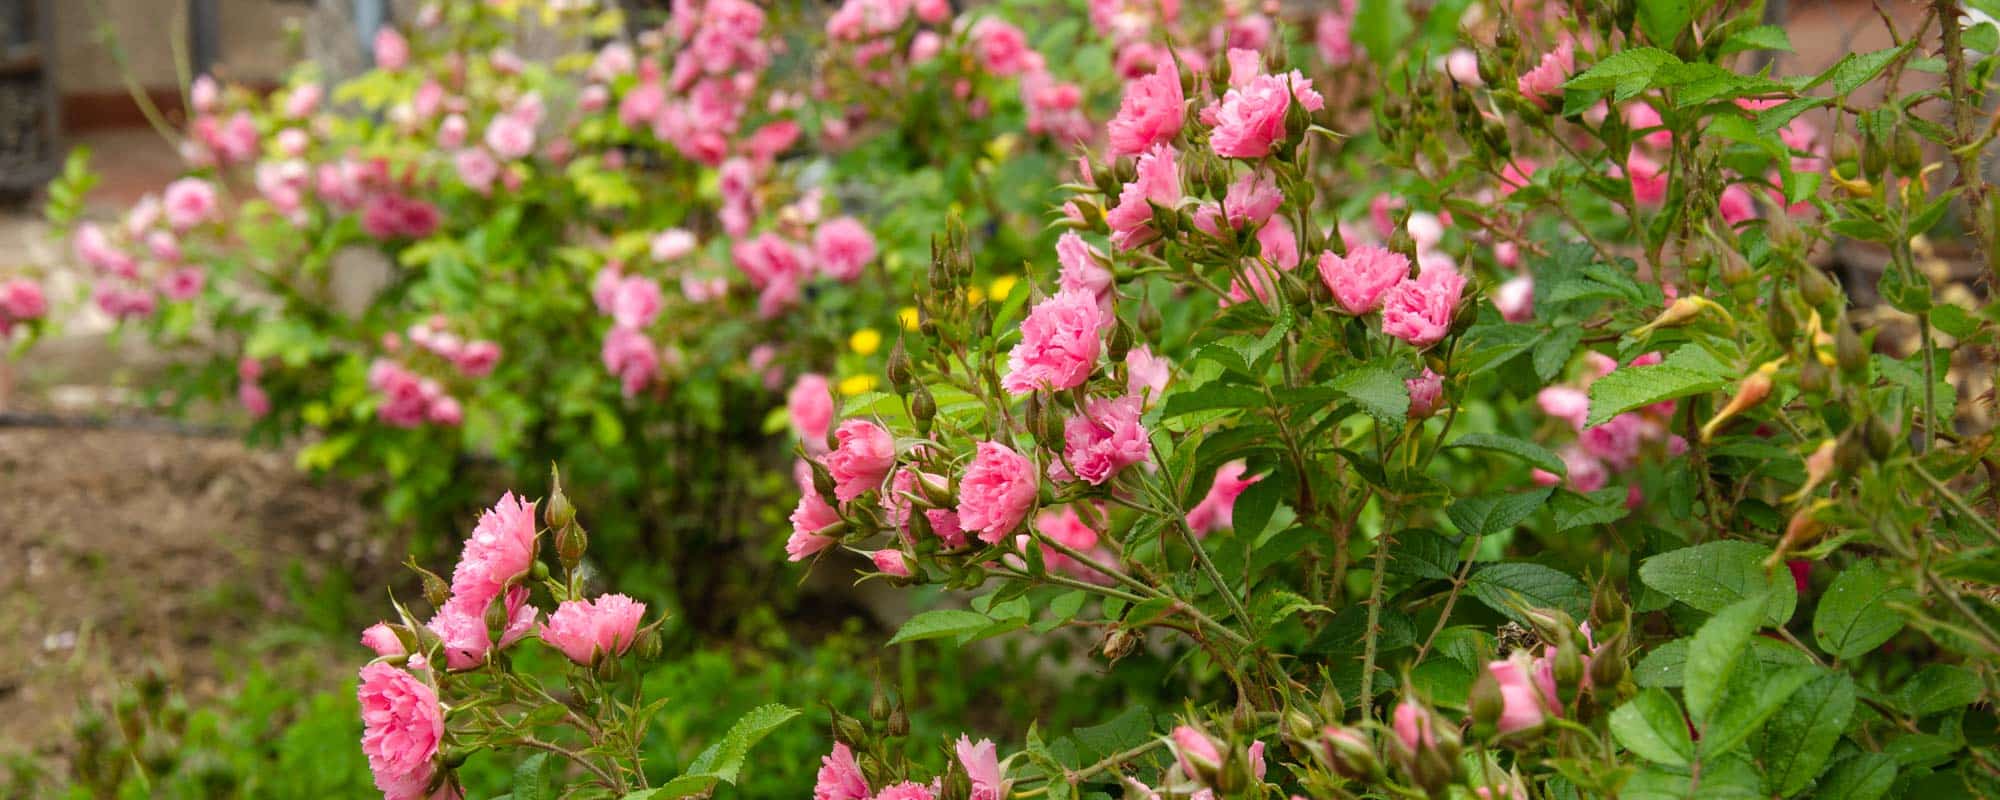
(1864, 776)
(724, 759)
(1535, 455)
(1628, 388)
(1651, 725)
(1626, 73)
(1753, 695)
(939, 623)
(1771, 119)
(1762, 37)
(1504, 587)
(1423, 554)
(1714, 653)
(534, 778)
(1601, 507)
(1800, 737)
(1855, 69)
(1378, 391)
(1210, 397)
(1492, 513)
(1664, 20)
(683, 786)
(1716, 575)
(1938, 687)
(1854, 616)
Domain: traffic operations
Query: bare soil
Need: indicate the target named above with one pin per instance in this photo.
(128, 550)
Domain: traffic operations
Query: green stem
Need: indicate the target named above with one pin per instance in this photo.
(1374, 622)
(1985, 525)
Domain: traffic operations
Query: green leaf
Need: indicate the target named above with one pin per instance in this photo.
(1855, 69)
(1754, 694)
(724, 759)
(1423, 554)
(1771, 119)
(1535, 455)
(1865, 776)
(1503, 587)
(1492, 513)
(1626, 72)
(1716, 575)
(534, 778)
(1601, 507)
(1715, 652)
(1651, 726)
(683, 786)
(1628, 388)
(1800, 737)
(939, 623)
(1129, 729)
(1664, 20)
(1762, 37)
(1379, 392)
(1062, 609)
(1210, 397)
(1854, 616)
(1937, 687)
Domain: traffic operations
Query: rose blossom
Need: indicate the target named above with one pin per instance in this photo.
(1516, 299)
(1059, 344)
(1251, 117)
(1521, 701)
(1082, 267)
(862, 460)
(462, 630)
(981, 761)
(891, 562)
(1415, 727)
(501, 549)
(671, 244)
(401, 726)
(896, 505)
(1360, 279)
(1548, 76)
(840, 777)
(996, 491)
(635, 303)
(1425, 392)
(1419, 311)
(1158, 182)
(1217, 509)
(586, 630)
(1104, 439)
(631, 356)
(810, 517)
(392, 52)
(1147, 374)
(1194, 752)
(189, 202)
(510, 137)
(907, 790)
(1150, 113)
(380, 638)
(809, 403)
(843, 248)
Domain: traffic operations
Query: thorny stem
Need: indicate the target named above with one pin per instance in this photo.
(1374, 620)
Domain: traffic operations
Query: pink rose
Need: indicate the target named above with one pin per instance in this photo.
(897, 505)
(1649, 183)
(635, 303)
(1217, 509)
(1158, 182)
(810, 406)
(1425, 392)
(1565, 403)
(1083, 268)
(1146, 375)
(1104, 439)
(189, 202)
(477, 169)
(1002, 48)
(1736, 204)
(1516, 299)
(862, 460)
(1360, 280)
(1415, 727)
(500, 551)
(380, 638)
(843, 248)
(630, 356)
(672, 244)
(1333, 33)
(1060, 342)
(1250, 119)
(907, 790)
(1547, 78)
(392, 52)
(587, 630)
(463, 634)
(1151, 112)
(303, 100)
(183, 284)
(892, 562)
(478, 358)
(840, 777)
(1419, 311)
(22, 299)
(253, 399)
(1463, 66)
(812, 516)
(1194, 751)
(996, 491)
(510, 137)
(982, 765)
(401, 726)
(1522, 703)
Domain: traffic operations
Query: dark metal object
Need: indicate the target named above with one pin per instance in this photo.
(204, 35)
(29, 151)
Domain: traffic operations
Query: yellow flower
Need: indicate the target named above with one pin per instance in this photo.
(975, 295)
(1002, 286)
(908, 316)
(856, 384)
(865, 341)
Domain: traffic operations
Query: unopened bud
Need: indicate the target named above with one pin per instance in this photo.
(1814, 377)
(650, 644)
(1568, 670)
(1849, 351)
(1486, 704)
(899, 722)
(1819, 290)
(848, 729)
(901, 372)
(1881, 439)
(1121, 341)
(923, 408)
(1607, 663)
(1749, 393)
(559, 513)
(822, 478)
(571, 542)
(878, 703)
(436, 591)
(1149, 320)
(607, 669)
(1349, 754)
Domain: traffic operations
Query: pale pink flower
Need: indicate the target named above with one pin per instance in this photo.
(1250, 119)
(1001, 48)
(843, 247)
(1736, 204)
(477, 169)
(897, 505)
(380, 638)
(21, 300)
(1361, 279)
(1649, 183)
(636, 302)
(303, 100)
(510, 137)
(809, 403)
(1194, 751)
(1463, 66)
(189, 202)
(811, 516)
(1419, 310)
(981, 762)
(1150, 114)
(477, 359)
(1415, 726)
(630, 356)
(1425, 392)
(862, 459)
(1083, 268)
(1104, 439)
(183, 284)
(392, 51)
(1522, 703)
(1643, 119)
(401, 726)
(587, 630)
(1146, 375)
(1217, 509)
(892, 562)
(672, 244)
(1547, 78)
(1516, 299)
(1059, 344)
(1158, 182)
(907, 790)
(840, 777)
(500, 551)
(1252, 199)
(996, 491)
(1333, 33)
(1565, 403)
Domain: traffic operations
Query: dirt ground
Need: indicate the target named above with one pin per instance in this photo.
(129, 550)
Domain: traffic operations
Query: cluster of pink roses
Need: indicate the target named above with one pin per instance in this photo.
(1612, 446)
(841, 778)
(135, 263)
(407, 400)
(719, 50)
